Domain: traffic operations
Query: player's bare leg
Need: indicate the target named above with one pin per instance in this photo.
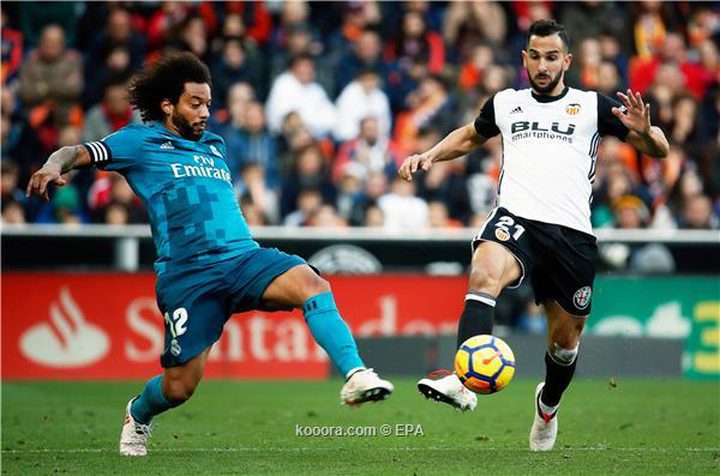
(564, 331)
(300, 287)
(170, 389)
(493, 267)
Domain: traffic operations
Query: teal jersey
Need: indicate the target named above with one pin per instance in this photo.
(186, 188)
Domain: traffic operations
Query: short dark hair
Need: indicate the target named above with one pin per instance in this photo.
(165, 80)
(546, 28)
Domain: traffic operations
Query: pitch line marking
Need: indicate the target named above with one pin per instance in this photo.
(310, 449)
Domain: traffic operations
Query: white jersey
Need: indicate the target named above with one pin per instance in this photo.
(550, 146)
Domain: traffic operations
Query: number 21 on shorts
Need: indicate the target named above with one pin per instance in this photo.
(503, 227)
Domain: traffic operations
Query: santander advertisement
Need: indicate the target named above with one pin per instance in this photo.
(70, 326)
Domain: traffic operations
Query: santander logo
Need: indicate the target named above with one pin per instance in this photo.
(66, 339)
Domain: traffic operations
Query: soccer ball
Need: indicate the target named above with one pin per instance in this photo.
(485, 364)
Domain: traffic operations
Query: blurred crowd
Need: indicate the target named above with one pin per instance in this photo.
(319, 103)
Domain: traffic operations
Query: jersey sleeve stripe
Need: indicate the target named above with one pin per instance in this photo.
(98, 151)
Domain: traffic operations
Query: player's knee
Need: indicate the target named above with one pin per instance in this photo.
(564, 355)
(481, 280)
(179, 391)
(316, 285)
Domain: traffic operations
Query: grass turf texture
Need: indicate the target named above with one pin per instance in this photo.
(629, 427)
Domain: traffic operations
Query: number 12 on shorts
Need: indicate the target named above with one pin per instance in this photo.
(178, 321)
(502, 229)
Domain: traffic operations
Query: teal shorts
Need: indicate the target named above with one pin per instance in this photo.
(197, 301)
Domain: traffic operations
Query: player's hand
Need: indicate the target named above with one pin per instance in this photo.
(40, 181)
(414, 163)
(637, 114)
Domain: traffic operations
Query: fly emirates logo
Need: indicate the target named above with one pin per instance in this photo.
(203, 167)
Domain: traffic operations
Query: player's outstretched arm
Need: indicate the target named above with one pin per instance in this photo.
(456, 144)
(61, 161)
(647, 138)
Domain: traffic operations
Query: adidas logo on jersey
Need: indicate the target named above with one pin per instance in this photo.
(167, 145)
(517, 110)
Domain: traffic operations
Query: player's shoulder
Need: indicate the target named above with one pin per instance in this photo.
(211, 137)
(511, 93)
(584, 94)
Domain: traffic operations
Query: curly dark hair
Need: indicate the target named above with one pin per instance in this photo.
(165, 80)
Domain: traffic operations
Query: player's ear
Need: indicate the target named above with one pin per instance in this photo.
(567, 61)
(166, 106)
(524, 58)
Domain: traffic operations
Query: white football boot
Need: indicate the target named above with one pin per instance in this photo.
(365, 386)
(448, 389)
(134, 436)
(545, 427)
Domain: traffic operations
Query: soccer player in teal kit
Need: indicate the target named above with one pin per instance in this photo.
(208, 266)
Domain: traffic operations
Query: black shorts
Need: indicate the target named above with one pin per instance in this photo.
(560, 261)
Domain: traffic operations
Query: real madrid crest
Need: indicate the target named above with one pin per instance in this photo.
(215, 151)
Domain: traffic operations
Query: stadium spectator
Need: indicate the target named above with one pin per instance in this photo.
(630, 212)
(414, 43)
(430, 106)
(439, 216)
(164, 22)
(119, 32)
(254, 17)
(116, 214)
(468, 24)
(326, 216)
(374, 217)
(472, 71)
(310, 171)
(111, 114)
(253, 215)
(369, 150)
(351, 200)
(253, 186)
(192, 35)
(585, 73)
(233, 66)
(668, 49)
(34, 20)
(402, 209)
(249, 142)
(361, 99)
(590, 19)
(309, 200)
(116, 67)
(9, 179)
(238, 97)
(19, 141)
(354, 22)
(447, 183)
(12, 212)
(292, 15)
(698, 214)
(296, 91)
(12, 51)
(365, 54)
(608, 78)
(673, 53)
(51, 82)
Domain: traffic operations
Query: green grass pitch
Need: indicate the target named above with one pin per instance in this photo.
(635, 426)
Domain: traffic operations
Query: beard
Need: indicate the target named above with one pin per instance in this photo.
(550, 85)
(187, 130)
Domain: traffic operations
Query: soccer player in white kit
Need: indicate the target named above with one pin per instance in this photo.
(541, 228)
